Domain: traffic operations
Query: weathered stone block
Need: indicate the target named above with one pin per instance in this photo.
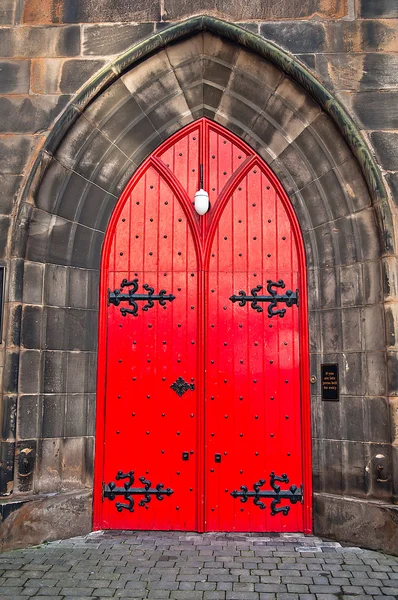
(379, 420)
(356, 481)
(386, 146)
(90, 11)
(48, 473)
(83, 288)
(104, 40)
(331, 469)
(7, 450)
(33, 283)
(77, 410)
(11, 370)
(329, 288)
(77, 373)
(29, 114)
(354, 420)
(362, 36)
(9, 188)
(87, 248)
(258, 9)
(45, 75)
(390, 277)
(71, 329)
(8, 417)
(40, 41)
(392, 373)
(376, 373)
(48, 518)
(55, 286)
(13, 334)
(372, 283)
(392, 180)
(30, 369)
(351, 285)
(377, 8)
(32, 323)
(353, 366)
(373, 328)
(351, 329)
(358, 71)
(14, 76)
(342, 519)
(76, 73)
(5, 224)
(7, 12)
(296, 36)
(373, 110)
(77, 463)
(332, 333)
(53, 423)
(54, 372)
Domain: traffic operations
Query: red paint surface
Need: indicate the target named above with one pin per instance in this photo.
(251, 400)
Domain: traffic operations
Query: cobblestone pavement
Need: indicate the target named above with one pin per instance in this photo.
(192, 566)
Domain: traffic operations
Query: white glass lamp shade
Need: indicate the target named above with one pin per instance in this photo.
(202, 202)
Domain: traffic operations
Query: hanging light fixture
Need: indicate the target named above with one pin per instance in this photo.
(202, 202)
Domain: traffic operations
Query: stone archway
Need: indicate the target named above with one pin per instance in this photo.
(258, 92)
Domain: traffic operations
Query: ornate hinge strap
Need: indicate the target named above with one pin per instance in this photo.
(294, 494)
(289, 298)
(116, 297)
(110, 491)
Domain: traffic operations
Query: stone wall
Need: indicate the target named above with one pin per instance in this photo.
(51, 48)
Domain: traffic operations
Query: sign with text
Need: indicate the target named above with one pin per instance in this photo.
(330, 382)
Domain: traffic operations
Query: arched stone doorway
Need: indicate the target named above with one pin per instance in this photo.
(229, 76)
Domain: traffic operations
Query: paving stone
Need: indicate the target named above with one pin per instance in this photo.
(172, 570)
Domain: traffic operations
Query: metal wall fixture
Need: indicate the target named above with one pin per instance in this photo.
(294, 494)
(116, 297)
(110, 491)
(289, 298)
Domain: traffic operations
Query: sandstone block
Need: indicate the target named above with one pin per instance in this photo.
(258, 9)
(296, 36)
(14, 76)
(104, 40)
(40, 41)
(76, 73)
(385, 144)
(29, 114)
(377, 8)
(90, 11)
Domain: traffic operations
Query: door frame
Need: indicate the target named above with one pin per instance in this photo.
(306, 438)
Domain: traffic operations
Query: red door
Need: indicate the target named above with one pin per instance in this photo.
(203, 417)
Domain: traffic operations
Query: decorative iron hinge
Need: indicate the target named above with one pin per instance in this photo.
(110, 491)
(180, 386)
(294, 494)
(116, 297)
(289, 298)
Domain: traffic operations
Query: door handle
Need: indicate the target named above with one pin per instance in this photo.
(217, 458)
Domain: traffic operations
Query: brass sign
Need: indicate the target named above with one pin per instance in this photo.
(330, 382)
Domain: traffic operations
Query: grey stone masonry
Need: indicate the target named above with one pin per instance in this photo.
(52, 224)
(187, 566)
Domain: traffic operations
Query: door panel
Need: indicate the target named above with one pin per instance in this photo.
(203, 383)
(148, 426)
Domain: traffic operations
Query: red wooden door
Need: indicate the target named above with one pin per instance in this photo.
(203, 347)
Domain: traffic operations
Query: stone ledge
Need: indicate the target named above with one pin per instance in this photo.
(342, 518)
(28, 521)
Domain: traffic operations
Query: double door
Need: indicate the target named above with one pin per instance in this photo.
(202, 378)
